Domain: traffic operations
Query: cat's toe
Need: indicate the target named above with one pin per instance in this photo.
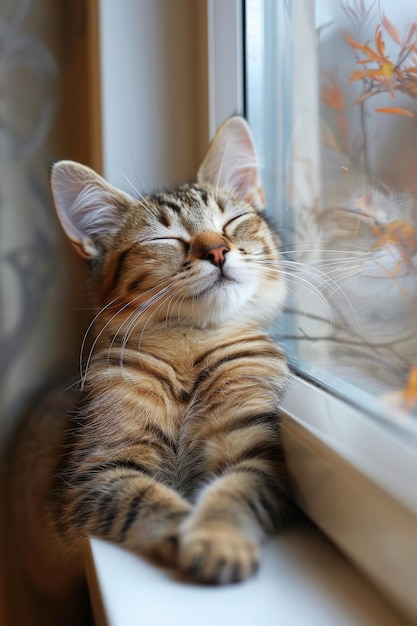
(166, 550)
(163, 533)
(218, 555)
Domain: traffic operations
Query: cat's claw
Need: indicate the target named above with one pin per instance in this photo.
(217, 555)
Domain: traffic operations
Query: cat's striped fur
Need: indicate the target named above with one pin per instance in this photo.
(174, 449)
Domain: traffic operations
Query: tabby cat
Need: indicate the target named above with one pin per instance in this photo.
(171, 448)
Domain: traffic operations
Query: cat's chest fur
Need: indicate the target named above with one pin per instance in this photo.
(178, 369)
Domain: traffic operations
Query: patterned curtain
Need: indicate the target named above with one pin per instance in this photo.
(39, 278)
(36, 337)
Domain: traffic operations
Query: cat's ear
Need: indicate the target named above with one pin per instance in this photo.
(89, 208)
(231, 162)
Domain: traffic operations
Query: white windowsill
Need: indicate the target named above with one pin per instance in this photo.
(353, 478)
(303, 580)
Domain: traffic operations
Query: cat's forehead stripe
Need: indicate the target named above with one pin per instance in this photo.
(203, 193)
(182, 198)
(183, 202)
(167, 202)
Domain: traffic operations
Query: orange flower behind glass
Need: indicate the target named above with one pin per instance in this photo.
(386, 71)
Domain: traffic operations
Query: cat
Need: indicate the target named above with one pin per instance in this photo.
(171, 445)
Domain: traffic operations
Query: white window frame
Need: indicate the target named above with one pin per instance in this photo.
(225, 61)
(353, 474)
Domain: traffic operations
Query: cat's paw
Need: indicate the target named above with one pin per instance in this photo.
(164, 540)
(165, 550)
(217, 553)
(163, 534)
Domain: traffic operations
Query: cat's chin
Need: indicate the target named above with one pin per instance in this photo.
(227, 301)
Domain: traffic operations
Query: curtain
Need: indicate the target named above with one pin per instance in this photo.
(45, 114)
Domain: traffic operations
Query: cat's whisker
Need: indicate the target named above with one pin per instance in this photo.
(324, 277)
(297, 247)
(294, 293)
(180, 298)
(132, 165)
(90, 326)
(135, 315)
(335, 272)
(134, 318)
(328, 263)
(326, 282)
(127, 179)
(298, 268)
(354, 273)
(297, 279)
(160, 305)
(303, 303)
(328, 267)
(312, 289)
(102, 330)
(341, 259)
(172, 303)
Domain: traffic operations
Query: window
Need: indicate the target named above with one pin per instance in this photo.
(335, 87)
(331, 96)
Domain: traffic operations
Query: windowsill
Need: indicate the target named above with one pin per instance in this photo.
(351, 476)
(303, 579)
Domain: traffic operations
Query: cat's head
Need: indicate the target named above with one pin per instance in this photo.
(199, 255)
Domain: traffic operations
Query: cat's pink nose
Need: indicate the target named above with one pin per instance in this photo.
(217, 255)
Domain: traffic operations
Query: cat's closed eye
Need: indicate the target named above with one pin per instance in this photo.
(160, 246)
(169, 240)
(232, 224)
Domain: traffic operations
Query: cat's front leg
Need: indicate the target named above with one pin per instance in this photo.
(219, 541)
(232, 437)
(117, 500)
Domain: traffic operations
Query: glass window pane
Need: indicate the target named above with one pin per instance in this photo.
(332, 100)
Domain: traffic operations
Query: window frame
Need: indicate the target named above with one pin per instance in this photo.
(225, 61)
(351, 474)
